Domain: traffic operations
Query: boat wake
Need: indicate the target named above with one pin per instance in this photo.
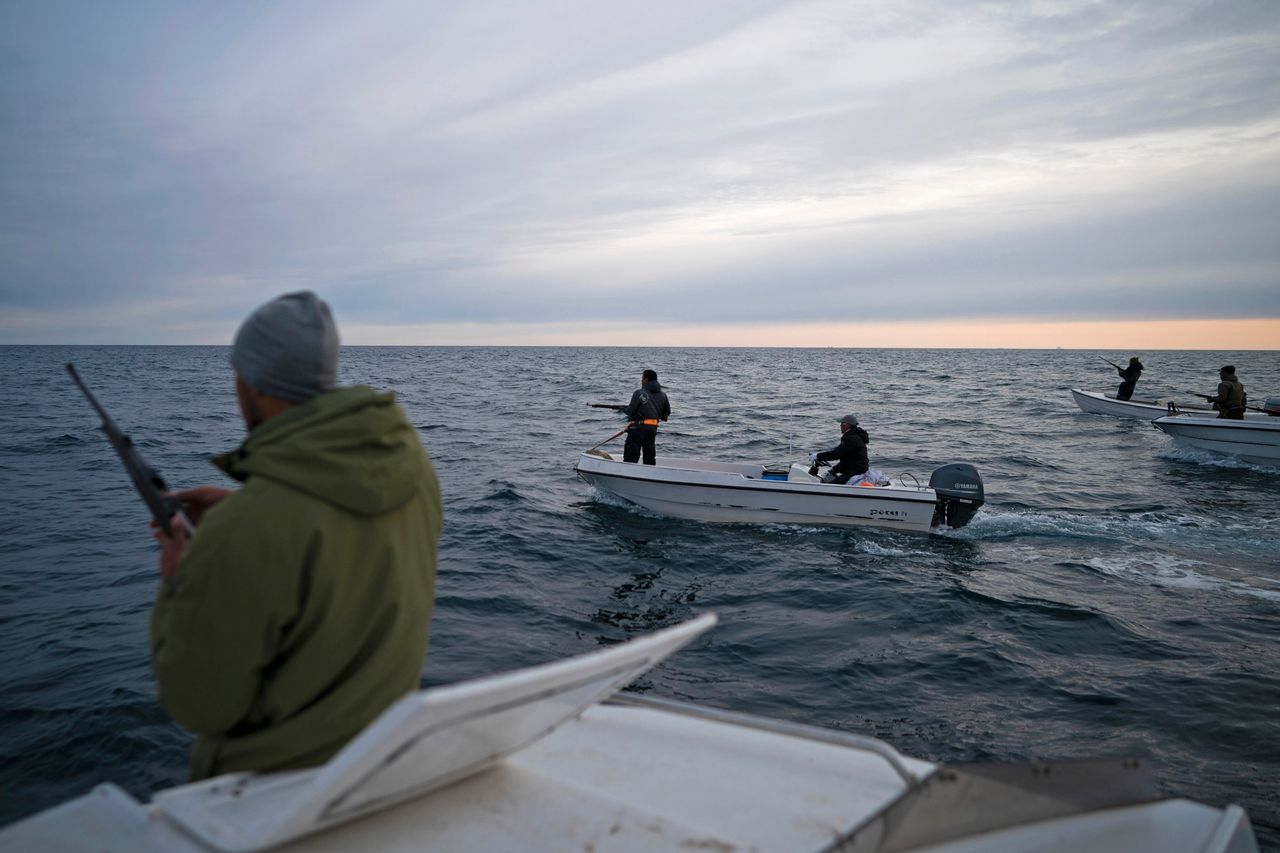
(1158, 548)
(1165, 570)
(1163, 527)
(996, 525)
(876, 549)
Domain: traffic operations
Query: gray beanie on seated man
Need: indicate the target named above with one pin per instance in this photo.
(288, 348)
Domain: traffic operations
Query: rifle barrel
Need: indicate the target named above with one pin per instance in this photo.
(148, 482)
(93, 401)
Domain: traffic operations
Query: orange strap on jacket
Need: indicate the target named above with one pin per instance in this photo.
(649, 422)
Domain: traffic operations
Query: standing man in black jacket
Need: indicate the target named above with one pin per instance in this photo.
(1130, 376)
(851, 451)
(648, 406)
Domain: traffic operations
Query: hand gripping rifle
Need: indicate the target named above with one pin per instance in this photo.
(149, 484)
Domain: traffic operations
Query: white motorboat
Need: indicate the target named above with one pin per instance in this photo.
(702, 490)
(1255, 439)
(1148, 410)
(532, 761)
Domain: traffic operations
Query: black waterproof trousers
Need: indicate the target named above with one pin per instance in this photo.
(641, 438)
(1125, 391)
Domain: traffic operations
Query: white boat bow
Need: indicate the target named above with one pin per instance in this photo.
(530, 761)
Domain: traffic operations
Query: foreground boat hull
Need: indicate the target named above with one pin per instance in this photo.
(695, 779)
(692, 782)
(1256, 441)
(547, 768)
(697, 491)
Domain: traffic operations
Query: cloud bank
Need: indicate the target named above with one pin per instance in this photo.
(575, 166)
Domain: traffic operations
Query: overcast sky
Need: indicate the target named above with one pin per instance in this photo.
(488, 172)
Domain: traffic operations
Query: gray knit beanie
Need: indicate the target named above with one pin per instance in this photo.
(288, 348)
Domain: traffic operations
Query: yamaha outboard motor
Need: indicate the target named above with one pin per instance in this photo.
(960, 494)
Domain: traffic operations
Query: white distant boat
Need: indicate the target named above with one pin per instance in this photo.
(1255, 439)
(531, 761)
(1147, 410)
(703, 490)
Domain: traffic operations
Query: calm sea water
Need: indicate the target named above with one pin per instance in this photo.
(1117, 594)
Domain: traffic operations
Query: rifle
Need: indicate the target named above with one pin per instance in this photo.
(616, 408)
(150, 485)
(1210, 398)
(1112, 363)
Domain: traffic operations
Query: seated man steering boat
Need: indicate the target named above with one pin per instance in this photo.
(850, 455)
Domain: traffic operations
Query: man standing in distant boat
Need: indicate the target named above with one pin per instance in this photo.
(1130, 376)
(1230, 399)
(851, 452)
(647, 408)
(300, 609)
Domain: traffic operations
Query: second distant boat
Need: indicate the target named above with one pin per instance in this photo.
(1098, 403)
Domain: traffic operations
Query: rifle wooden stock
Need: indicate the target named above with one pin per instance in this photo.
(612, 437)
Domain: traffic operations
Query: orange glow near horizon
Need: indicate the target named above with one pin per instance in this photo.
(1231, 334)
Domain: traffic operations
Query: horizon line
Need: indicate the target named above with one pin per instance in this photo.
(689, 346)
(1229, 335)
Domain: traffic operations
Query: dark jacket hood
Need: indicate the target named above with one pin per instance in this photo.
(351, 447)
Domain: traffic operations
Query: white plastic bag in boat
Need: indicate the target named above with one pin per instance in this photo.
(871, 478)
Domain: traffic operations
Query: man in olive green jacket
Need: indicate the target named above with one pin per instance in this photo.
(300, 609)
(1230, 399)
